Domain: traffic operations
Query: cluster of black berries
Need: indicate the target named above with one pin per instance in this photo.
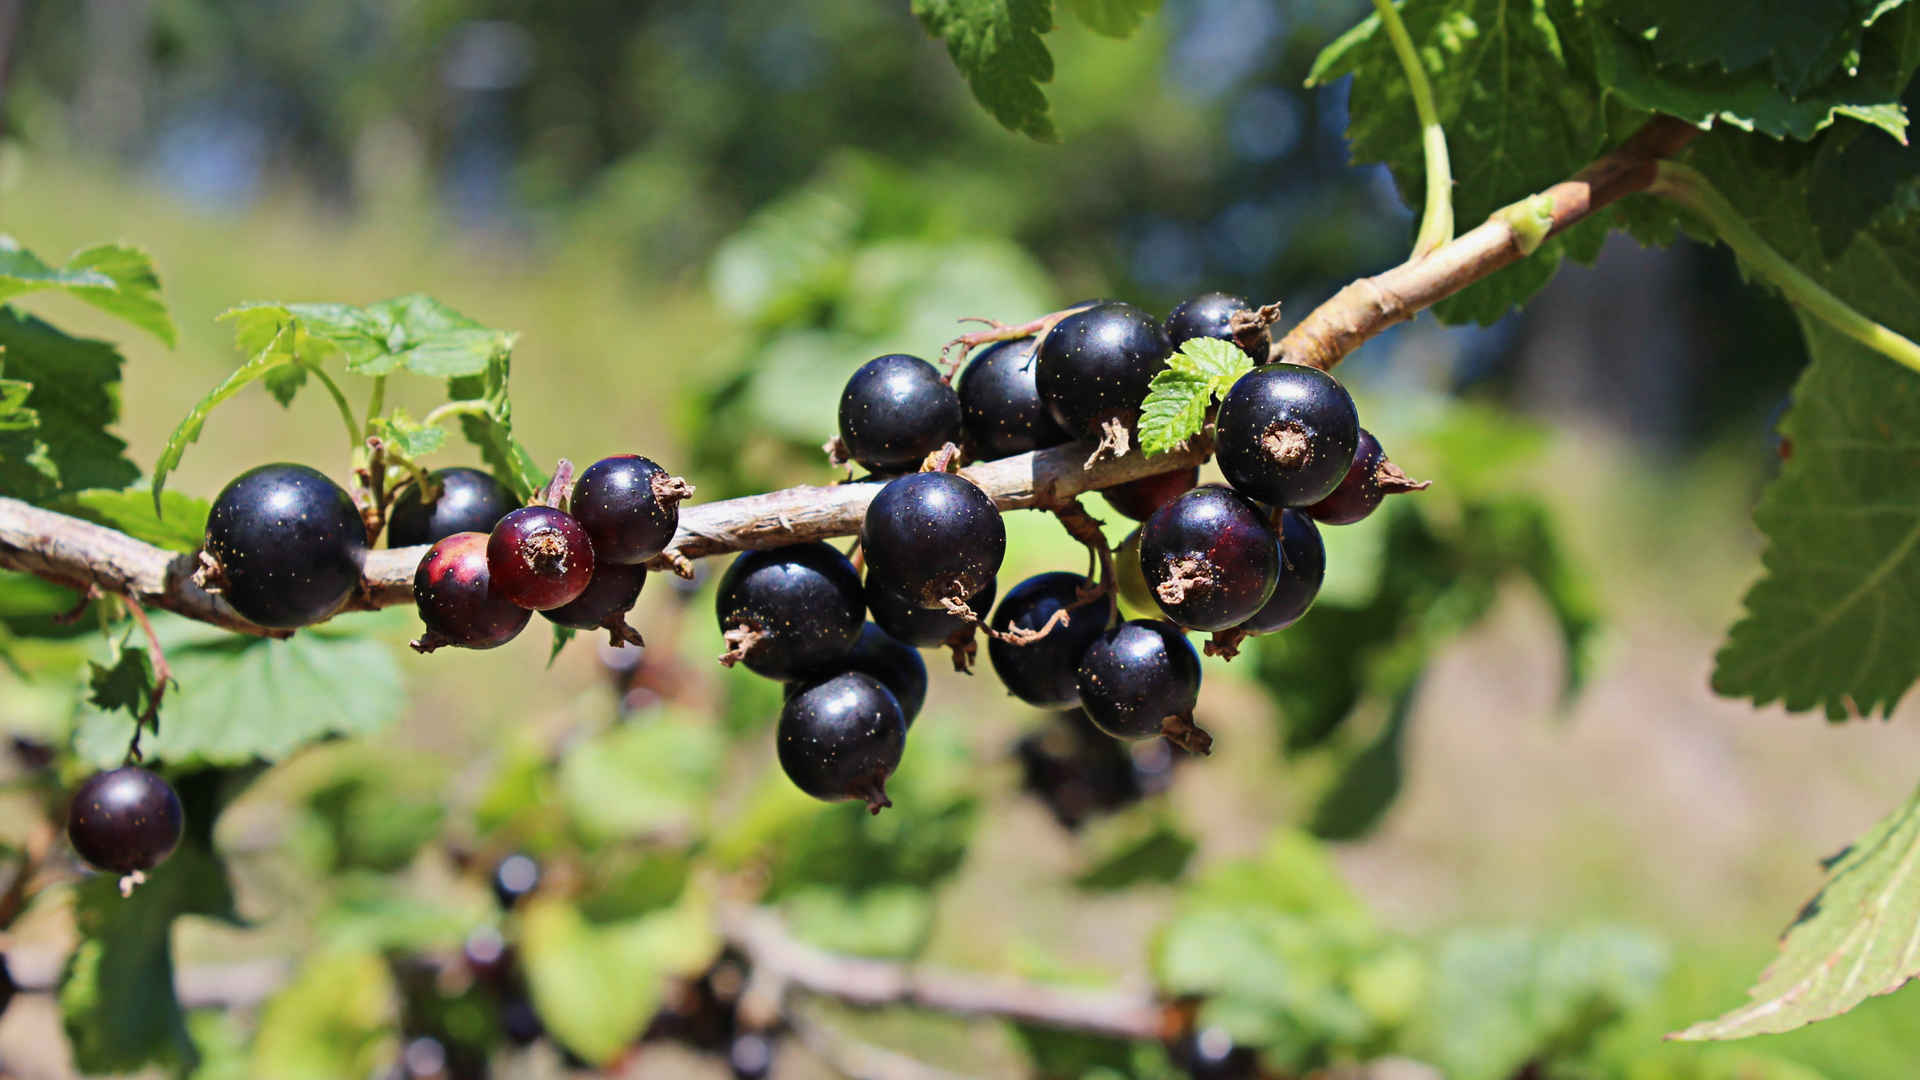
(1236, 560)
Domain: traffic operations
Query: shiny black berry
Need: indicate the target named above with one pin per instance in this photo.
(1210, 1054)
(520, 1022)
(1000, 407)
(1095, 366)
(1210, 557)
(1286, 434)
(125, 820)
(1142, 679)
(454, 594)
(841, 737)
(895, 410)
(933, 536)
(515, 878)
(1138, 499)
(540, 557)
(1210, 315)
(629, 507)
(287, 545)
(1079, 770)
(1369, 480)
(893, 662)
(605, 603)
(790, 609)
(1303, 566)
(751, 1056)
(923, 628)
(469, 501)
(1041, 671)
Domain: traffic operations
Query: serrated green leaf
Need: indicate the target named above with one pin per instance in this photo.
(117, 279)
(1114, 18)
(1799, 45)
(278, 352)
(180, 524)
(127, 685)
(1853, 940)
(406, 436)
(1177, 399)
(492, 431)
(340, 1016)
(997, 45)
(73, 400)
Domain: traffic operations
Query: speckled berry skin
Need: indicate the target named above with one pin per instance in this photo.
(1286, 434)
(125, 820)
(886, 658)
(540, 558)
(1219, 543)
(454, 595)
(1209, 315)
(1138, 499)
(1095, 366)
(922, 628)
(895, 411)
(1041, 673)
(611, 594)
(1000, 407)
(289, 544)
(1359, 493)
(615, 501)
(933, 535)
(841, 737)
(803, 601)
(1136, 675)
(1303, 566)
(470, 501)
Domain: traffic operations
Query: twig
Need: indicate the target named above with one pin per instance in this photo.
(162, 675)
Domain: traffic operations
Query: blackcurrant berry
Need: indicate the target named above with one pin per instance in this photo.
(751, 1056)
(629, 507)
(540, 557)
(1210, 1054)
(1303, 565)
(1041, 672)
(515, 878)
(790, 609)
(286, 544)
(1000, 404)
(841, 737)
(125, 821)
(605, 603)
(877, 653)
(1369, 480)
(1210, 315)
(520, 1021)
(1286, 434)
(1095, 366)
(469, 501)
(488, 956)
(933, 537)
(1140, 680)
(923, 628)
(1138, 499)
(1210, 557)
(454, 594)
(895, 411)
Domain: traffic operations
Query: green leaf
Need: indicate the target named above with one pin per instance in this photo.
(997, 45)
(1177, 399)
(240, 697)
(56, 439)
(596, 986)
(1158, 853)
(1800, 45)
(492, 431)
(127, 685)
(1114, 18)
(1368, 782)
(279, 350)
(888, 921)
(406, 436)
(340, 1016)
(180, 523)
(645, 777)
(1853, 940)
(115, 278)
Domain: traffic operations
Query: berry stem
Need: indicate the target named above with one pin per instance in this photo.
(162, 675)
(1436, 222)
(354, 431)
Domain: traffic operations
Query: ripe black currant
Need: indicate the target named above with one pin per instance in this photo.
(1286, 434)
(1079, 770)
(520, 1022)
(488, 956)
(1210, 1054)
(469, 501)
(923, 628)
(1000, 404)
(841, 737)
(932, 537)
(751, 1056)
(877, 653)
(454, 594)
(895, 411)
(629, 507)
(286, 545)
(540, 557)
(515, 878)
(1140, 680)
(1041, 672)
(1369, 480)
(1210, 557)
(604, 603)
(1303, 565)
(1095, 366)
(1210, 315)
(125, 821)
(1138, 499)
(790, 609)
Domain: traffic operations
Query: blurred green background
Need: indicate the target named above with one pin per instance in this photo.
(701, 217)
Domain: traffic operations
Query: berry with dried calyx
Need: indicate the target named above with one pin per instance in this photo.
(454, 595)
(1141, 680)
(285, 546)
(1000, 407)
(1286, 434)
(1040, 630)
(841, 737)
(895, 410)
(1210, 557)
(540, 557)
(1369, 480)
(125, 821)
(1211, 315)
(789, 609)
(933, 538)
(1095, 366)
(604, 604)
(629, 507)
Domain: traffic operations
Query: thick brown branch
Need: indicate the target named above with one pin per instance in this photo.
(1370, 305)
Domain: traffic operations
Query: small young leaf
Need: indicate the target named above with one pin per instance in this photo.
(115, 278)
(127, 685)
(492, 432)
(278, 351)
(408, 437)
(1114, 18)
(997, 45)
(1177, 399)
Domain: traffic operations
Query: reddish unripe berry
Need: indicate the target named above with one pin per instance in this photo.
(540, 557)
(1138, 499)
(453, 592)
